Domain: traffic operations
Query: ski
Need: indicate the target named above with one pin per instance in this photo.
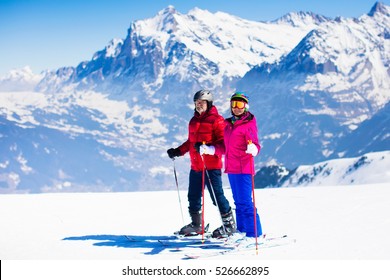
(167, 240)
(236, 248)
(190, 239)
(190, 242)
(175, 239)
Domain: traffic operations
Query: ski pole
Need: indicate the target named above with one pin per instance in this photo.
(254, 200)
(203, 186)
(213, 193)
(214, 196)
(177, 187)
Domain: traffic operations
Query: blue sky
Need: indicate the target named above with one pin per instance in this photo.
(48, 34)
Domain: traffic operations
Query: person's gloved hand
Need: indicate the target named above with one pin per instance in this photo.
(206, 150)
(172, 152)
(197, 146)
(252, 149)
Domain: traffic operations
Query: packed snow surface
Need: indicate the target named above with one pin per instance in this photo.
(329, 223)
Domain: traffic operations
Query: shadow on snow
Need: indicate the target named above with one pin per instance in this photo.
(156, 244)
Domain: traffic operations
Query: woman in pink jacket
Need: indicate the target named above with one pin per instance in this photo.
(241, 144)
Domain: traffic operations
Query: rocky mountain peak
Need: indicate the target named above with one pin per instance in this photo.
(379, 8)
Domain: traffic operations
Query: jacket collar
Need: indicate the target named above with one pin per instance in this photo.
(246, 117)
(212, 111)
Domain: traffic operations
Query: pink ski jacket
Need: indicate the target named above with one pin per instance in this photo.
(237, 134)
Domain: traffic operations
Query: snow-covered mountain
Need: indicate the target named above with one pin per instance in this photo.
(312, 80)
(84, 145)
(368, 169)
(371, 135)
(198, 49)
(371, 168)
(335, 78)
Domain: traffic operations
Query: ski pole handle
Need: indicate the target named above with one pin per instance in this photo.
(203, 143)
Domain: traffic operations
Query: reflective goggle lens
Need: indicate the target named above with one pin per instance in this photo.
(238, 104)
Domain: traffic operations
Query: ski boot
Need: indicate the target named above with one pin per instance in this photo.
(228, 227)
(195, 227)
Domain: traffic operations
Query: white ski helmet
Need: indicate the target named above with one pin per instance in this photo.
(203, 94)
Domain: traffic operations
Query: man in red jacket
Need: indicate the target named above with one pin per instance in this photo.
(205, 144)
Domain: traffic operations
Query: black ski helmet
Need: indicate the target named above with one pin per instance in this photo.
(204, 94)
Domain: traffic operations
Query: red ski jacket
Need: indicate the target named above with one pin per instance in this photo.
(209, 128)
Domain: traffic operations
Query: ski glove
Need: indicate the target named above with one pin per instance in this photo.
(173, 152)
(204, 148)
(252, 149)
(208, 150)
(197, 146)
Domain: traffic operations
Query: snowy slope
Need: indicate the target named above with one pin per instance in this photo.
(368, 169)
(328, 223)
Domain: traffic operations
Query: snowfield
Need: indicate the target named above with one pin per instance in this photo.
(328, 223)
(341, 232)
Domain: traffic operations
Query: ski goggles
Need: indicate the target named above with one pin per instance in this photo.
(237, 104)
